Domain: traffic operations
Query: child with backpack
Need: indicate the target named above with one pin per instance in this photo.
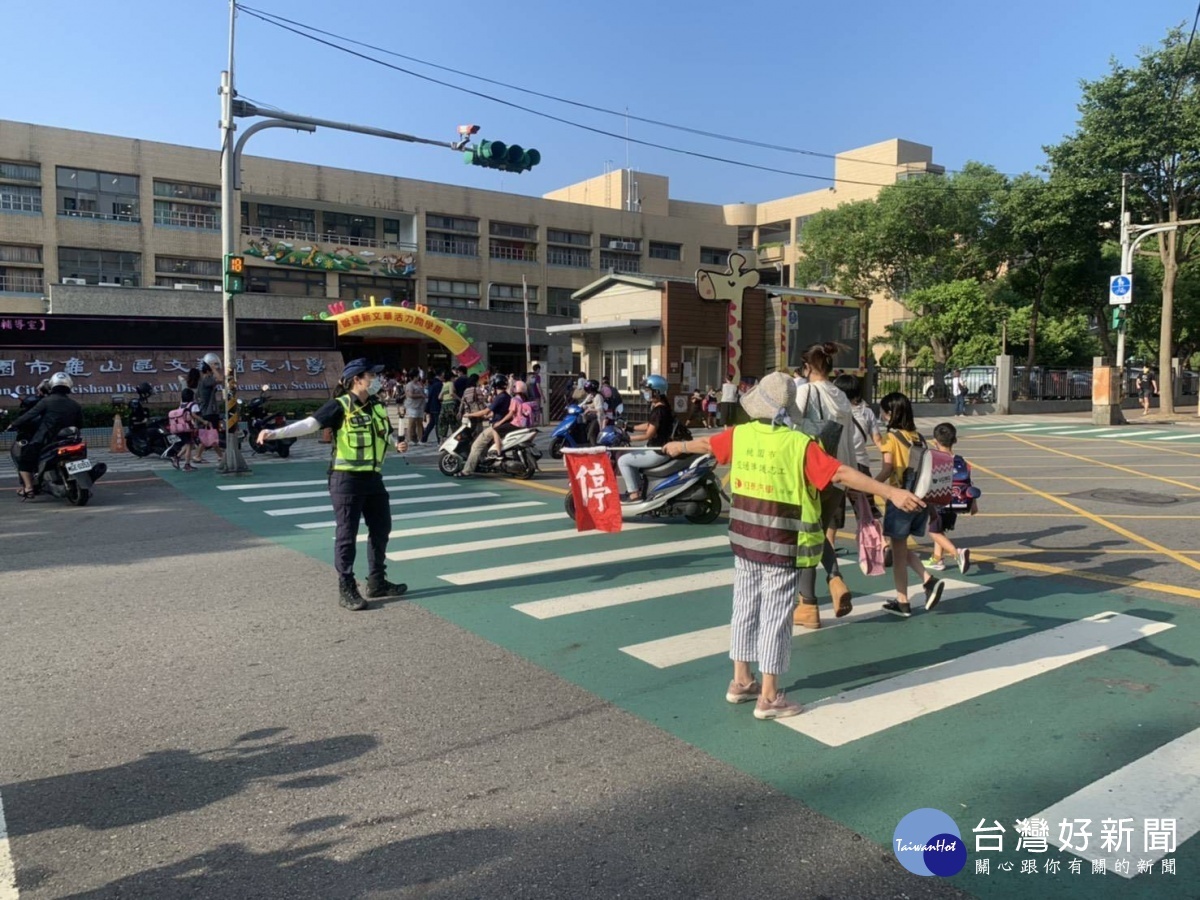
(898, 443)
(943, 518)
(185, 422)
(520, 414)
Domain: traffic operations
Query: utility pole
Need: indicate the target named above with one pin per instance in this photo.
(525, 303)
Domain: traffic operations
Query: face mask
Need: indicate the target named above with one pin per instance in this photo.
(646, 395)
(375, 386)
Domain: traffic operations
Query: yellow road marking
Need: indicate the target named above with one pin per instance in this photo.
(1140, 474)
(1137, 445)
(1064, 515)
(543, 487)
(1118, 580)
(1100, 520)
(1092, 550)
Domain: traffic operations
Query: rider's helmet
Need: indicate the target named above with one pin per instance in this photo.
(500, 382)
(655, 383)
(518, 387)
(145, 389)
(591, 386)
(43, 387)
(212, 360)
(61, 379)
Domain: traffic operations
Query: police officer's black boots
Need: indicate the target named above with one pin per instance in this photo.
(378, 586)
(348, 595)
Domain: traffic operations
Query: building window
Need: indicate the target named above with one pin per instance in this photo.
(98, 195)
(14, 171)
(187, 215)
(100, 266)
(639, 367)
(559, 303)
(570, 257)
(508, 298)
(288, 282)
(178, 190)
(616, 369)
(18, 198)
(510, 230)
(461, 294)
(348, 225)
(801, 221)
(511, 242)
(701, 368)
(362, 287)
(291, 220)
(21, 281)
(451, 244)
(620, 262)
(19, 253)
(576, 238)
(171, 270)
(714, 256)
(451, 223)
(660, 250)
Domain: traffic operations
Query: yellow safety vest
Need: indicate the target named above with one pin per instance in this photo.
(361, 442)
(776, 514)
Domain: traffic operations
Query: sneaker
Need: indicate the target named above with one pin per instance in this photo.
(188, 468)
(741, 693)
(933, 593)
(779, 708)
(174, 460)
(348, 595)
(964, 560)
(381, 587)
(937, 565)
(896, 608)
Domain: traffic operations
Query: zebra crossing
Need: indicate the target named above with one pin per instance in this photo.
(1006, 675)
(1062, 429)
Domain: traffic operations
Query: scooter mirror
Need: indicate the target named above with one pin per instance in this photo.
(265, 388)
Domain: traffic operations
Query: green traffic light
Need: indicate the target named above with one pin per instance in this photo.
(498, 155)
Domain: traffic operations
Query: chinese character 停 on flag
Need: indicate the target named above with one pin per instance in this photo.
(594, 488)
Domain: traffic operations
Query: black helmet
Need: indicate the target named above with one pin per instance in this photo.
(500, 382)
(591, 385)
(145, 388)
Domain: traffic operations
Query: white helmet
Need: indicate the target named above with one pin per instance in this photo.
(213, 360)
(61, 379)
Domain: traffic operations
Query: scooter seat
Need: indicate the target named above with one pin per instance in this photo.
(670, 467)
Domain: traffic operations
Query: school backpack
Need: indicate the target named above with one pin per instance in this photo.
(616, 403)
(930, 473)
(179, 421)
(521, 412)
(963, 492)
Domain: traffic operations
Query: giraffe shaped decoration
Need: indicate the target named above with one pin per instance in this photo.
(728, 285)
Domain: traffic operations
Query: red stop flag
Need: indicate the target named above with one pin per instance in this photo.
(594, 488)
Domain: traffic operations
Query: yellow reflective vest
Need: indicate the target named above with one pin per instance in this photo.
(361, 442)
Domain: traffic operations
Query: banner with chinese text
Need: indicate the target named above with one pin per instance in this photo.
(594, 489)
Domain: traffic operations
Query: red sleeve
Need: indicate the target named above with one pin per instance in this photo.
(819, 466)
(722, 446)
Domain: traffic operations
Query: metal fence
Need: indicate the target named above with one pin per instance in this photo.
(923, 385)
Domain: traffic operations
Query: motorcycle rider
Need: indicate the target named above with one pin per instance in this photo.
(594, 409)
(499, 413)
(51, 415)
(655, 432)
(362, 432)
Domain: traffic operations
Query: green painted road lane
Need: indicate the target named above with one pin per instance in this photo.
(1004, 754)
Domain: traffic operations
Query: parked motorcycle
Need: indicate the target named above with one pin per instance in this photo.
(63, 468)
(689, 487)
(518, 456)
(145, 435)
(571, 431)
(257, 418)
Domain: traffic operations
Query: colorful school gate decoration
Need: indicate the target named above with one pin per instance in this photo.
(364, 315)
(728, 285)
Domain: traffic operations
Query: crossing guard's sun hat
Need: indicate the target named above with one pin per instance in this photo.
(358, 366)
(773, 393)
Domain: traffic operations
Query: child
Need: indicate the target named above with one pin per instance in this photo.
(710, 408)
(942, 518)
(519, 413)
(898, 525)
(189, 411)
(866, 426)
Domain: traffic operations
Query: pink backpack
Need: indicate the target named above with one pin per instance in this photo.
(179, 421)
(521, 413)
(870, 538)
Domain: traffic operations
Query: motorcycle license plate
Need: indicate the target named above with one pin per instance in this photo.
(79, 465)
(172, 440)
(449, 444)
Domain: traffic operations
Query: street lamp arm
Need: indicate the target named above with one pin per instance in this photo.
(255, 129)
(243, 109)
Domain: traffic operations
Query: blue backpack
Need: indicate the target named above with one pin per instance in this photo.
(964, 492)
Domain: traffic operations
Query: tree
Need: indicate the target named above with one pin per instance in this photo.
(1145, 120)
(949, 315)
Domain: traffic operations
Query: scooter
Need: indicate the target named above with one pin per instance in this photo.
(146, 436)
(689, 488)
(259, 417)
(518, 456)
(63, 468)
(571, 431)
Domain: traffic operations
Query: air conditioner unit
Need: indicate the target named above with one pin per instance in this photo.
(181, 286)
(216, 287)
(108, 284)
(622, 245)
(73, 281)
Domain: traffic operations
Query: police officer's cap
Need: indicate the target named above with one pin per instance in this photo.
(358, 366)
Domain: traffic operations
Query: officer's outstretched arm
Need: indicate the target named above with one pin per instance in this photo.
(296, 429)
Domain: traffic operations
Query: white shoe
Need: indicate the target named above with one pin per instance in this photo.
(964, 560)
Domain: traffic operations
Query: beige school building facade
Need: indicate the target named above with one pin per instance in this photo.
(93, 224)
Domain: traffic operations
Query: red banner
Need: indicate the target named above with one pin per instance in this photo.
(594, 489)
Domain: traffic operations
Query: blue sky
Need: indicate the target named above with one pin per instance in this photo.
(983, 81)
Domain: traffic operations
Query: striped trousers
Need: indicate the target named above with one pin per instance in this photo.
(764, 599)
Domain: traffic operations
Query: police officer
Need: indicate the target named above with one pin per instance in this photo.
(362, 432)
(48, 417)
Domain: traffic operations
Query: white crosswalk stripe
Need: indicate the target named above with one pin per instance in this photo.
(457, 527)
(312, 482)
(309, 495)
(630, 593)
(438, 513)
(399, 501)
(499, 542)
(1179, 437)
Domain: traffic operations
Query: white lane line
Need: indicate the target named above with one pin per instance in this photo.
(1109, 428)
(1129, 434)
(629, 593)
(1007, 425)
(1163, 784)
(8, 872)
(1178, 437)
(873, 708)
(510, 540)
(396, 501)
(438, 513)
(457, 527)
(585, 561)
(310, 495)
(271, 485)
(693, 645)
